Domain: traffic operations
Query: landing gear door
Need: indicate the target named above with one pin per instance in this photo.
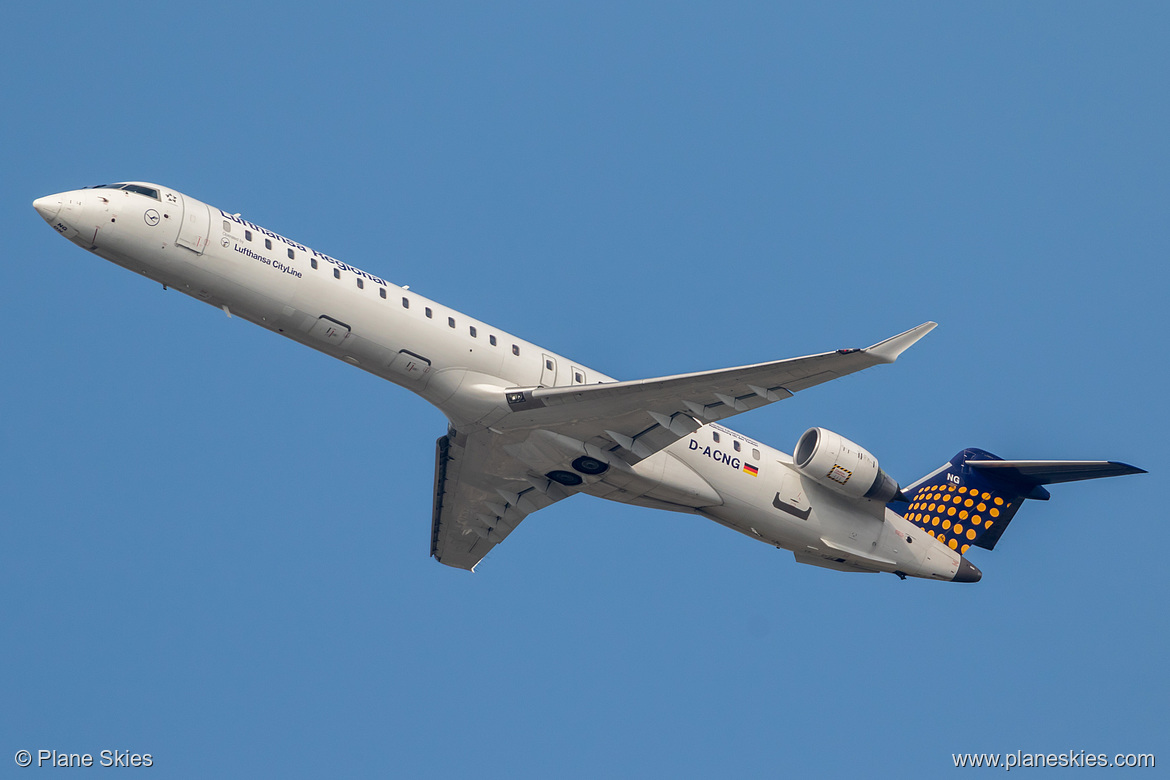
(195, 227)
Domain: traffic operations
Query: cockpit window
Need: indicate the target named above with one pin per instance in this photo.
(149, 192)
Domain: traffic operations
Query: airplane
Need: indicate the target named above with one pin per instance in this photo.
(528, 427)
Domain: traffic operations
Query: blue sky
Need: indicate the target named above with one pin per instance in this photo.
(215, 541)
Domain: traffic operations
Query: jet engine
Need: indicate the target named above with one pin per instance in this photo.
(835, 462)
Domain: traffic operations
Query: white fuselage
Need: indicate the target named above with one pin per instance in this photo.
(464, 366)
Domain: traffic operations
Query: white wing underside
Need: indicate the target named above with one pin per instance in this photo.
(490, 480)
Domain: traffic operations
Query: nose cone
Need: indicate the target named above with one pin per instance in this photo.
(48, 207)
(967, 572)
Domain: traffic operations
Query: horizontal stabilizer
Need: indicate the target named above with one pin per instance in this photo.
(1052, 472)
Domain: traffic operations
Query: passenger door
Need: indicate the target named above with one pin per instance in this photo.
(195, 227)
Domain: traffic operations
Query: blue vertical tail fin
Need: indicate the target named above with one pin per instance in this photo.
(970, 500)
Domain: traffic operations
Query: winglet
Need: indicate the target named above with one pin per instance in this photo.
(887, 351)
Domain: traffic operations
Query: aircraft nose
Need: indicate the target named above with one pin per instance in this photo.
(967, 572)
(48, 207)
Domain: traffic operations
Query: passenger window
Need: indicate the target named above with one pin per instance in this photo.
(361, 283)
(755, 453)
(227, 226)
(382, 291)
(548, 365)
(578, 378)
(515, 350)
(248, 237)
(267, 243)
(429, 312)
(715, 436)
(313, 262)
(406, 304)
(336, 273)
(451, 322)
(492, 340)
(735, 445)
(472, 331)
(291, 255)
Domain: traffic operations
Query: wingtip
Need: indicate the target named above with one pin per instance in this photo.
(1128, 469)
(888, 351)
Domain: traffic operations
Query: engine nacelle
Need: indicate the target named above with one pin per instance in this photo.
(835, 462)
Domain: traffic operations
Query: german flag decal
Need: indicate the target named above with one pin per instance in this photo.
(751, 470)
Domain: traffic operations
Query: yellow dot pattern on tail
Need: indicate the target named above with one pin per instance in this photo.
(954, 514)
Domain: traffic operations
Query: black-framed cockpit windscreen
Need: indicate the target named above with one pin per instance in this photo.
(149, 192)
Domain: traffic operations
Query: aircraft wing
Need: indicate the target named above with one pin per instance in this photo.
(481, 495)
(638, 418)
(487, 481)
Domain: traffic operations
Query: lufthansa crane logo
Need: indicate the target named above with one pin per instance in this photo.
(151, 216)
